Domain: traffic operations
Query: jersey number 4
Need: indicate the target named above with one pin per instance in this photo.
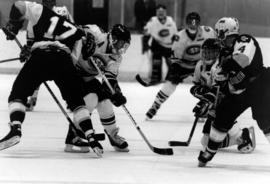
(71, 29)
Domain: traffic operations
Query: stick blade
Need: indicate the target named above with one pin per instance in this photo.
(178, 143)
(141, 81)
(163, 151)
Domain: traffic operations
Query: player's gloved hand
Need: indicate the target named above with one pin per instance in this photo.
(94, 144)
(118, 99)
(201, 108)
(209, 97)
(89, 46)
(25, 53)
(199, 90)
(11, 29)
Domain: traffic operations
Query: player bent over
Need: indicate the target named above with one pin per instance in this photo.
(50, 60)
(207, 78)
(186, 49)
(108, 55)
(26, 51)
(248, 84)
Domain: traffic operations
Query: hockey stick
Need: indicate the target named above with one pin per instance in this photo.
(186, 143)
(162, 151)
(142, 82)
(7, 60)
(99, 137)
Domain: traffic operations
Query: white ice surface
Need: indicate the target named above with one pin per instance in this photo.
(39, 157)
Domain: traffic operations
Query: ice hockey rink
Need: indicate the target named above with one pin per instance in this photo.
(39, 157)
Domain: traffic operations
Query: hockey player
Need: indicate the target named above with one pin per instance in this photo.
(187, 52)
(25, 53)
(158, 37)
(248, 84)
(108, 55)
(50, 60)
(207, 78)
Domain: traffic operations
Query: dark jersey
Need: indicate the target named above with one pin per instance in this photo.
(247, 53)
(47, 25)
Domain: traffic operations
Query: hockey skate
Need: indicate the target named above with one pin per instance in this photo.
(248, 140)
(75, 144)
(204, 157)
(31, 103)
(119, 143)
(12, 138)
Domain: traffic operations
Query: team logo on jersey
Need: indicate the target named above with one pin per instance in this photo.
(193, 50)
(164, 33)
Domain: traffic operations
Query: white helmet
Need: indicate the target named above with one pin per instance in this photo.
(226, 26)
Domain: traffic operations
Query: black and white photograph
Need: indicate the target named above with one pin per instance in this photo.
(134, 91)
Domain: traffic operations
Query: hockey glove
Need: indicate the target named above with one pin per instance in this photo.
(199, 90)
(25, 53)
(11, 29)
(201, 108)
(14, 24)
(95, 145)
(118, 99)
(89, 46)
(209, 97)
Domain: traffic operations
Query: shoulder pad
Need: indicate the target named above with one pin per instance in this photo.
(244, 38)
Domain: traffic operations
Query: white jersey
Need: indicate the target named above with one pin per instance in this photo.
(162, 33)
(112, 61)
(207, 76)
(189, 50)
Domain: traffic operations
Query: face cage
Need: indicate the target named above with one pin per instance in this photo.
(209, 56)
(193, 25)
(119, 46)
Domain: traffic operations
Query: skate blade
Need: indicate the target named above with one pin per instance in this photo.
(11, 142)
(120, 150)
(75, 149)
(253, 138)
(98, 151)
(201, 164)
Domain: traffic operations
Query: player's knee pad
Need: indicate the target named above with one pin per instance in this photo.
(91, 101)
(204, 140)
(168, 88)
(217, 135)
(16, 111)
(105, 108)
(81, 116)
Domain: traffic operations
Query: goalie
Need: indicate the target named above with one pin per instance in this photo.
(210, 87)
(158, 38)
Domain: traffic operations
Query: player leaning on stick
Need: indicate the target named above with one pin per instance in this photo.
(26, 51)
(187, 52)
(50, 60)
(208, 81)
(248, 84)
(108, 55)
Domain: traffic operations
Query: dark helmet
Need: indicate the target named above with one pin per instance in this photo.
(193, 21)
(120, 32)
(49, 3)
(210, 50)
(193, 18)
